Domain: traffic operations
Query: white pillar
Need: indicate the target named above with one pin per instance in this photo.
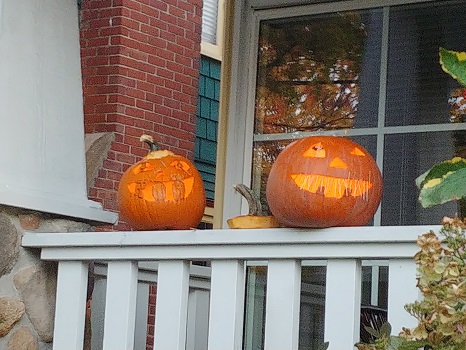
(41, 110)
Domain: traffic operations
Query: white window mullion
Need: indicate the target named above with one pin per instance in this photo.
(382, 100)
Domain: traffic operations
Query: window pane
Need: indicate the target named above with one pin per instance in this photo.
(406, 156)
(417, 89)
(318, 72)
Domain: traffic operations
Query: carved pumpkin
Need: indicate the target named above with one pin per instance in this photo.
(161, 191)
(323, 181)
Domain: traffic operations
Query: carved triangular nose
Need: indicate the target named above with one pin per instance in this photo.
(338, 163)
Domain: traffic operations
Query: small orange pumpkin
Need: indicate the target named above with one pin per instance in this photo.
(254, 219)
(323, 181)
(161, 191)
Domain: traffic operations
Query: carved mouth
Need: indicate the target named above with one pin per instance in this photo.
(332, 187)
(166, 191)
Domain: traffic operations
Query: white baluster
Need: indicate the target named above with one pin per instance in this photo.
(70, 305)
(172, 305)
(401, 290)
(226, 305)
(342, 303)
(120, 305)
(282, 305)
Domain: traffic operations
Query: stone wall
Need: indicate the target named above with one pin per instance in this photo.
(27, 284)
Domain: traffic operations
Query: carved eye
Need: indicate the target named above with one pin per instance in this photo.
(357, 152)
(316, 151)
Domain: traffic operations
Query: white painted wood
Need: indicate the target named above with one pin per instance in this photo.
(261, 244)
(401, 290)
(120, 309)
(226, 305)
(375, 285)
(198, 319)
(282, 305)
(172, 305)
(281, 249)
(342, 303)
(40, 85)
(70, 305)
(142, 311)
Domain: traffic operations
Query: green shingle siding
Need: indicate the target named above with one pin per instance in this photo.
(205, 152)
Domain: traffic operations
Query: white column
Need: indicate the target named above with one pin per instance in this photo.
(401, 291)
(171, 308)
(282, 305)
(342, 303)
(226, 305)
(41, 110)
(120, 305)
(70, 307)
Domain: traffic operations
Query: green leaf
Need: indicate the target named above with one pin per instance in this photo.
(413, 345)
(395, 343)
(451, 187)
(385, 329)
(454, 63)
(440, 170)
(374, 332)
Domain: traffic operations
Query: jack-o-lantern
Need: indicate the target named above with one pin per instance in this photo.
(324, 181)
(161, 191)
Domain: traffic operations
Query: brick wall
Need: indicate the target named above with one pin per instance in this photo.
(140, 63)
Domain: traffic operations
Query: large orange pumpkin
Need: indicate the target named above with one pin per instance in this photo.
(161, 191)
(323, 181)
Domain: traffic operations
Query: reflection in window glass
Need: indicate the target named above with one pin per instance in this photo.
(312, 309)
(406, 156)
(417, 89)
(315, 72)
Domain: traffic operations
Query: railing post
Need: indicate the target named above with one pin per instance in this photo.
(172, 305)
(342, 303)
(70, 306)
(120, 305)
(282, 305)
(401, 290)
(226, 305)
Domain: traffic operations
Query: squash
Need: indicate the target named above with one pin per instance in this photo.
(254, 219)
(163, 191)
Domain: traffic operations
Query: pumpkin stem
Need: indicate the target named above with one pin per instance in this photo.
(153, 146)
(255, 206)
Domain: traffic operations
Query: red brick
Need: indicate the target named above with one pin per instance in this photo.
(149, 106)
(140, 60)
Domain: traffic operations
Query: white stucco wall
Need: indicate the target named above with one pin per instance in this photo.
(42, 158)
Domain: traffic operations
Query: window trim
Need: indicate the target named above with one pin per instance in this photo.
(215, 51)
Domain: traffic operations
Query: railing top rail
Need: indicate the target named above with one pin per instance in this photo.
(343, 242)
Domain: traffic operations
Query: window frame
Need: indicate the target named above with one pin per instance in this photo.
(215, 51)
(240, 119)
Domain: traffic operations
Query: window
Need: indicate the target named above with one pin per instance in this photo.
(368, 73)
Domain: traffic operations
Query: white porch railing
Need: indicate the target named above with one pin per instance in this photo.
(343, 249)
